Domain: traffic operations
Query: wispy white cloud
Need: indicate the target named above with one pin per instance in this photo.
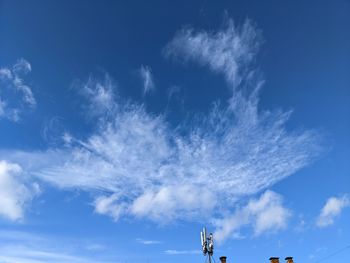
(332, 209)
(99, 93)
(8, 236)
(146, 169)
(148, 242)
(151, 171)
(22, 66)
(181, 252)
(54, 132)
(5, 74)
(27, 247)
(173, 91)
(15, 95)
(67, 138)
(266, 214)
(147, 79)
(22, 254)
(139, 166)
(229, 51)
(108, 205)
(176, 98)
(15, 192)
(95, 247)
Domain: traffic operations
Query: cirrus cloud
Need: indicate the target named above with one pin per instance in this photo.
(229, 51)
(147, 79)
(138, 165)
(15, 95)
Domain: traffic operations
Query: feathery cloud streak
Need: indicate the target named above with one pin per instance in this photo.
(138, 166)
(26, 247)
(147, 79)
(230, 51)
(148, 242)
(15, 95)
(181, 252)
(98, 94)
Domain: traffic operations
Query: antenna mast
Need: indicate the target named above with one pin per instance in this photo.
(207, 244)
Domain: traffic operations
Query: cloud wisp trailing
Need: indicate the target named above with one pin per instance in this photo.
(148, 241)
(332, 209)
(229, 51)
(182, 252)
(15, 95)
(26, 247)
(98, 94)
(139, 166)
(147, 79)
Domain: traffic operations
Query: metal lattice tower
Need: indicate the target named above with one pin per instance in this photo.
(207, 244)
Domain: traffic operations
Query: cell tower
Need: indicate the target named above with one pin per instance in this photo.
(207, 244)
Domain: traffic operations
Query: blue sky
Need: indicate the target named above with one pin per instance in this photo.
(127, 127)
